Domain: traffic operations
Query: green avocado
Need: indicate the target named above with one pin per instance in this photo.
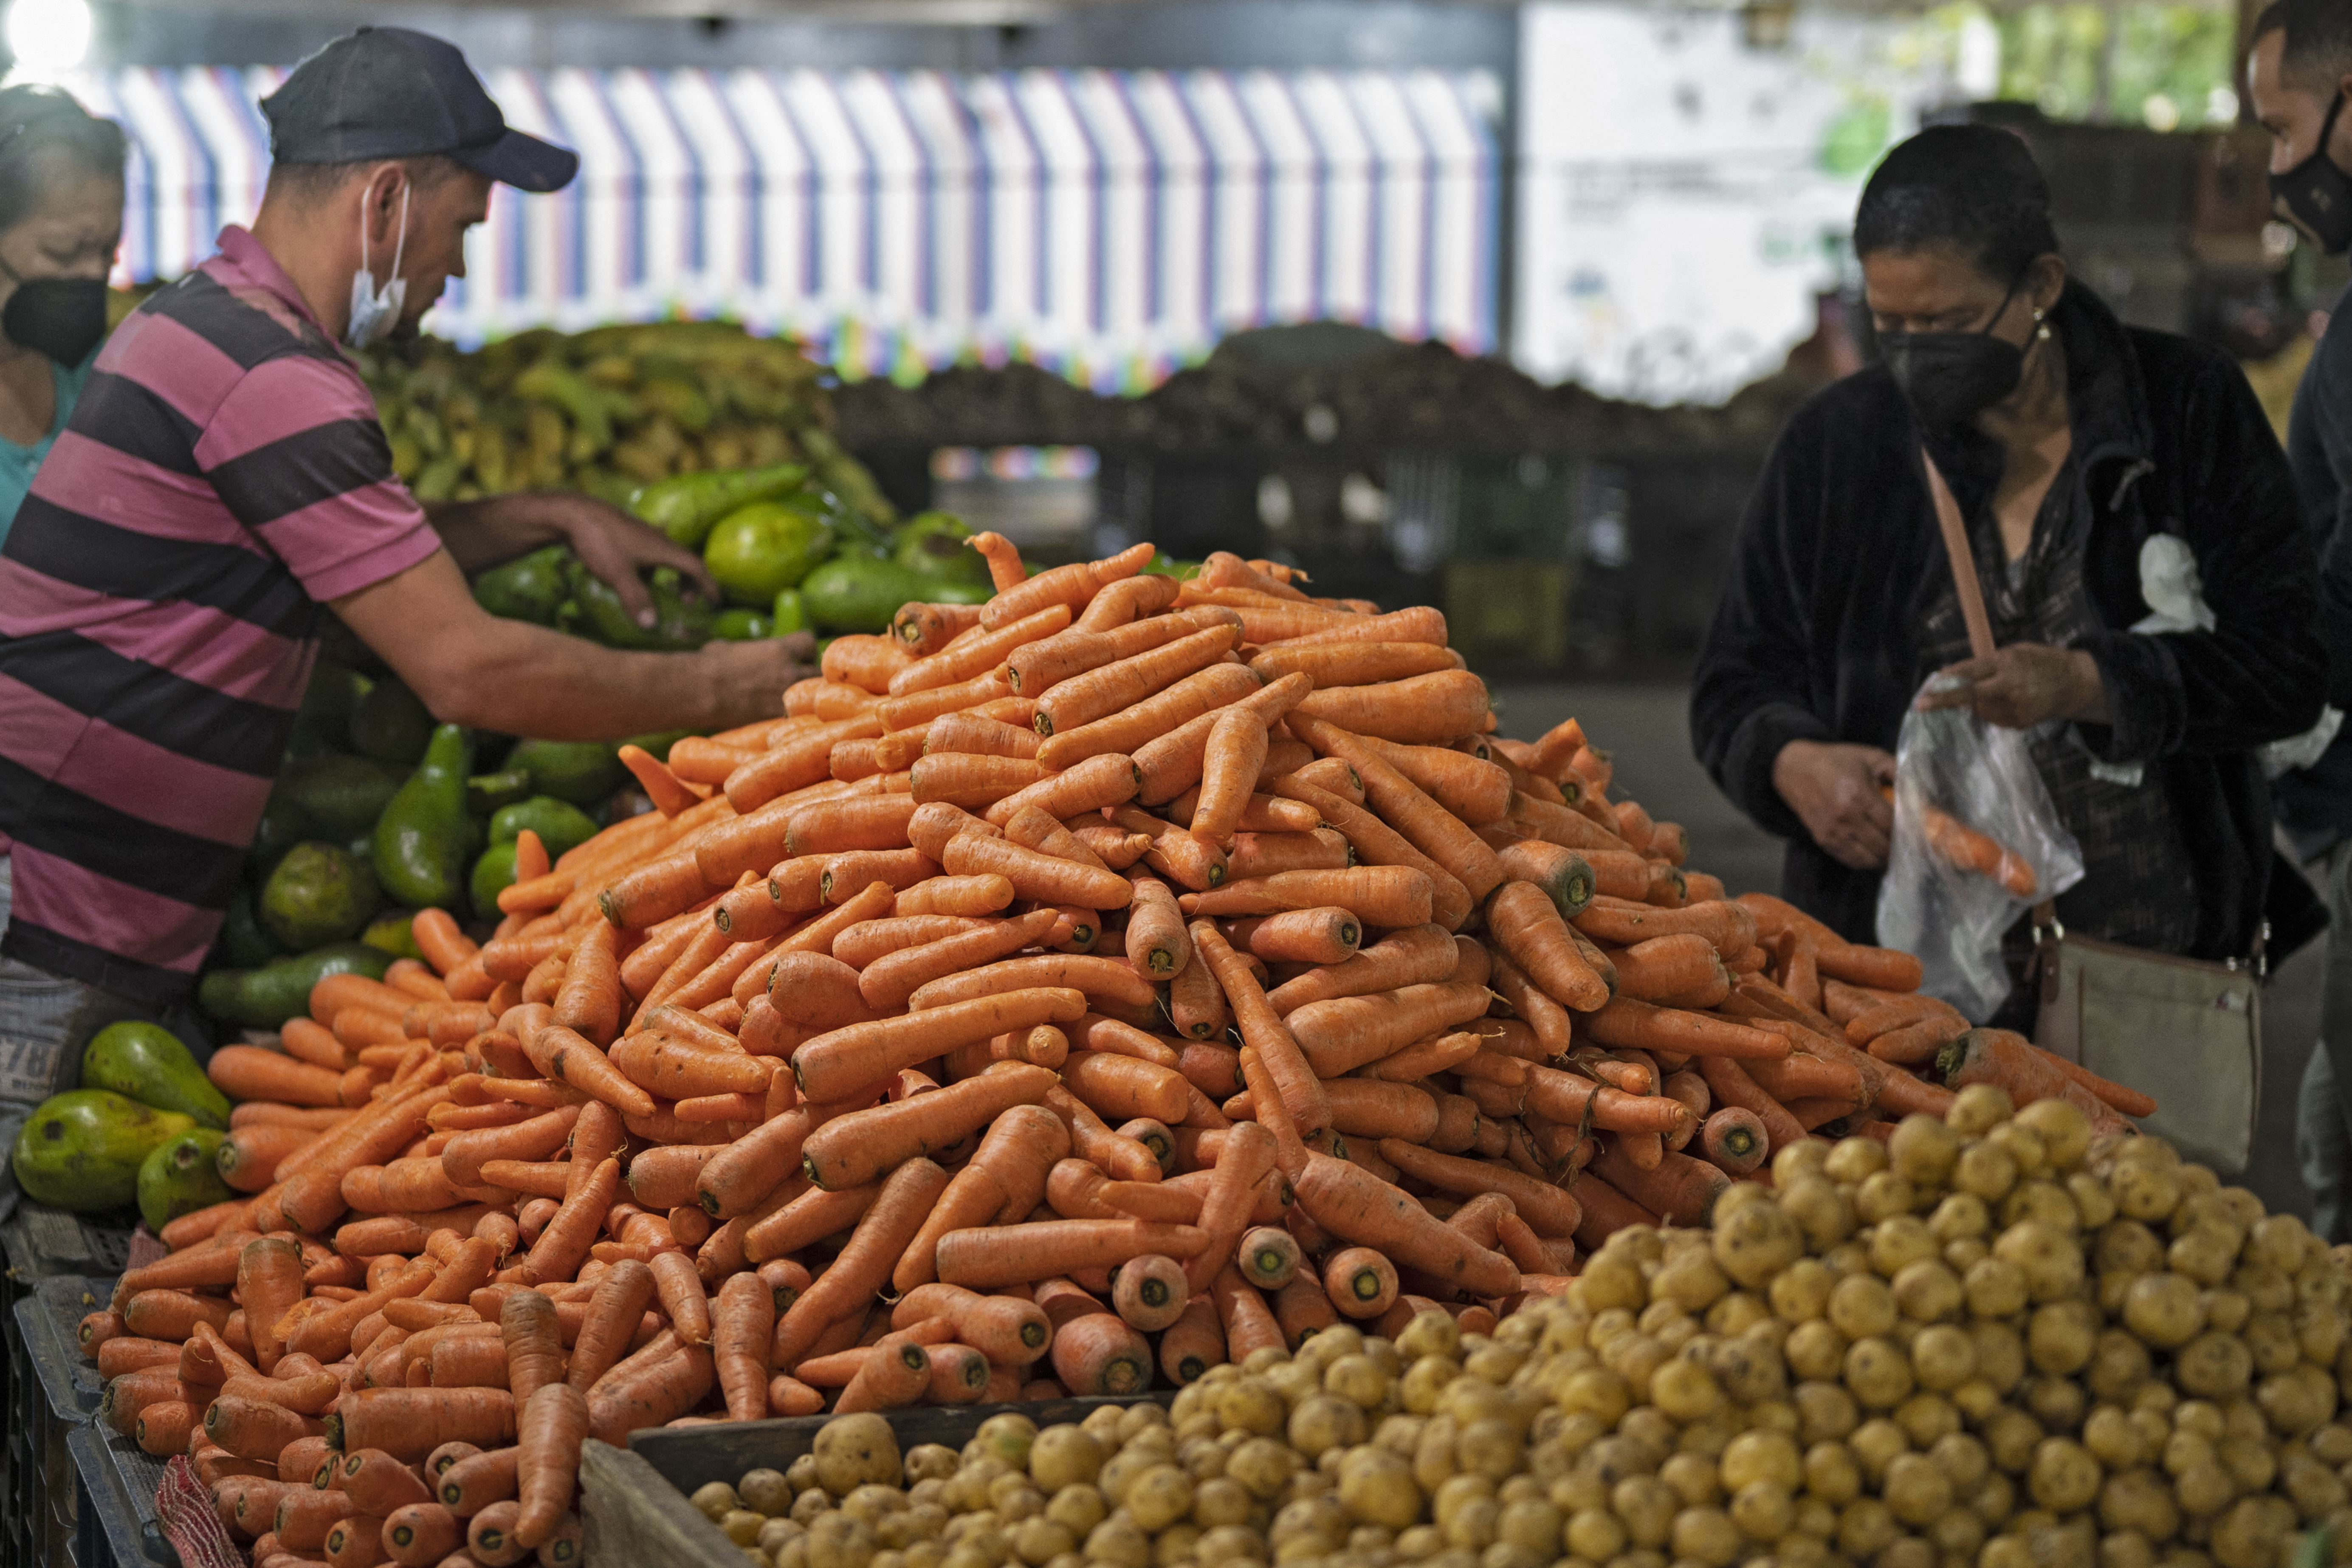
(958, 591)
(340, 796)
(243, 941)
(394, 934)
(528, 588)
(487, 793)
(391, 725)
(686, 507)
(680, 624)
(494, 872)
(561, 826)
(424, 840)
(147, 1063)
(584, 773)
(82, 1150)
(859, 592)
(283, 825)
(758, 551)
(318, 893)
(180, 1176)
(931, 544)
(791, 614)
(266, 997)
(738, 625)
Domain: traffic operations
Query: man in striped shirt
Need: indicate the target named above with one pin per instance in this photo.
(222, 485)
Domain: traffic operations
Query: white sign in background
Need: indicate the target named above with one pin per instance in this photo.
(1683, 198)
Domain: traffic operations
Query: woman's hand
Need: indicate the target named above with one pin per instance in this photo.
(1835, 789)
(2026, 684)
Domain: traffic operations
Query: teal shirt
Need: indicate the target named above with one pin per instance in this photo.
(19, 463)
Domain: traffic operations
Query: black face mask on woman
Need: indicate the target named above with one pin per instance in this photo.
(63, 317)
(2315, 196)
(1949, 378)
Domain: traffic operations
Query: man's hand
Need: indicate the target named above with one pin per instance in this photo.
(2026, 684)
(1834, 791)
(611, 543)
(617, 547)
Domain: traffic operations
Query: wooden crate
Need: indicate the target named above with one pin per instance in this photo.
(633, 1511)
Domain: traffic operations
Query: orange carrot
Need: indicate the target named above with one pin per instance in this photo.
(1109, 778)
(968, 896)
(1067, 586)
(1329, 935)
(974, 782)
(1043, 878)
(590, 1000)
(1376, 895)
(1734, 1141)
(923, 629)
(865, 1263)
(1126, 600)
(856, 1149)
(1360, 1282)
(1156, 943)
(421, 1534)
(1528, 926)
(1339, 1035)
(1203, 691)
(846, 1062)
(1263, 1030)
(2007, 1058)
(977, 652)
(565, 1054)
(1099, 1354)
(743, 1322)
(887, 982)
(1234, 753)
(249, 1072)
(438, 937)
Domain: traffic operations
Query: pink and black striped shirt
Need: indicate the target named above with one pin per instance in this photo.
(222, 477)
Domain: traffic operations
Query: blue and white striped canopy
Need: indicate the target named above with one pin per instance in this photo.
(1112, 225)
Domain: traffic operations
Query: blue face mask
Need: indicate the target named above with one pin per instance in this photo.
(376, 311)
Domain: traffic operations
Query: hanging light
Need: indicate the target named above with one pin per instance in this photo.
(48, 38)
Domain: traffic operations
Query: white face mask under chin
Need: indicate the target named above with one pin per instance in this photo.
(375, 312)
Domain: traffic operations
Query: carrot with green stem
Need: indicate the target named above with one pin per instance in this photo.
(865, 1263)
(1360, 1282)
(2003, 1058)
(978, 653)
(1101, 691)
(1150, 1293)
(1007, 1330)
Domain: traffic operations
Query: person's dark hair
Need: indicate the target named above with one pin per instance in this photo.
(305, 183)
(2318, 53)
(34, 119)
(1973, 187)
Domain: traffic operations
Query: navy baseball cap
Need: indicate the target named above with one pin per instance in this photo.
(389, 92)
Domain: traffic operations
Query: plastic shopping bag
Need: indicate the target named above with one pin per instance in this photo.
(1976, 842)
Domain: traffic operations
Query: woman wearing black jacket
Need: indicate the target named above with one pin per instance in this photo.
(2069, 440)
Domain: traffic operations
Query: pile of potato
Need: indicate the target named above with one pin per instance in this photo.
(1992, 1340)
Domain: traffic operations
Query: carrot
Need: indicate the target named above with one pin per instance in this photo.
(1109, 778)
(1731, 1085)
(1069, 586)
(1099, 1354)
(959, 1374)
(1127, 600)
(565, 1054)
(980, 1257)
(1005, 1180)
(2007, 1058)
(922, 629)
(1123, 732)
(421, 1534)
(743, 1322)
(1442, 1053)
(1967, 849)
(249, 1072)
(1009, 1331)
(968, 896)
(477, 1481)
(162, 1428)
(1263, 1031)
(846, 1062)
(562, 1247)
(1668, 966)
(1413, 956)
(1529, 927)
(1377, 844)
(1247, 1323)
(1550, 1210)
(1339, 1035)
(1430, 828)
(1098, 692)
(976, 652)
(1044, 878)
(888, 981)
(1627, 1023)
(895, 1372)
(1156, 943)
(1680, 1188)
(1248, 1153)
(438, 938)
(1734, 1141)
(863, 661)
(1268, 1256)
(1304, 1307)
(1376, 895)
(865, 1263)
(1149, 1292)
(1234, 753)
(1360, 1282)
(859, 1147)
(1417, 710)
(974, 782)
(1109, 980)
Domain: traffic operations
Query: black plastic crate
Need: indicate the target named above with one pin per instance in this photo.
(37, 1490)
(115, 1524)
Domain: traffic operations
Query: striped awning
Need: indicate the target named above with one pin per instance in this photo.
(1112, 225)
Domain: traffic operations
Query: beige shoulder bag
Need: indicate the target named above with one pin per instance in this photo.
(2186, 1031)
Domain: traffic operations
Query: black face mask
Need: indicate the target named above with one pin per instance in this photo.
(1949, 378)
(2315, 196)
(63, 317)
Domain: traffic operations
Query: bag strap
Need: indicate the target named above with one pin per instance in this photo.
(1955, 531)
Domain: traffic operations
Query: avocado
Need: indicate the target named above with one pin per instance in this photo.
(528, 588)
(791, 614)
(958, 591)
(494, 872)
(82, 1150)
(322, 724)
(931, 544)
(266, 997)
(243, 941)
(859, 592)
(759, 550)
(283, 825)
(584, 773)
(737, 624)
(561, 826)
(686, 507)
(391, 725)
(680, 624)
(149, 1063)
(424, 840)
(318, 893)
(340, 795)
(394, 934)
(179, 1176)
(487, 793)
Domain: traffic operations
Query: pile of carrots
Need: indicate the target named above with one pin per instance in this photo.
(1069, 994)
